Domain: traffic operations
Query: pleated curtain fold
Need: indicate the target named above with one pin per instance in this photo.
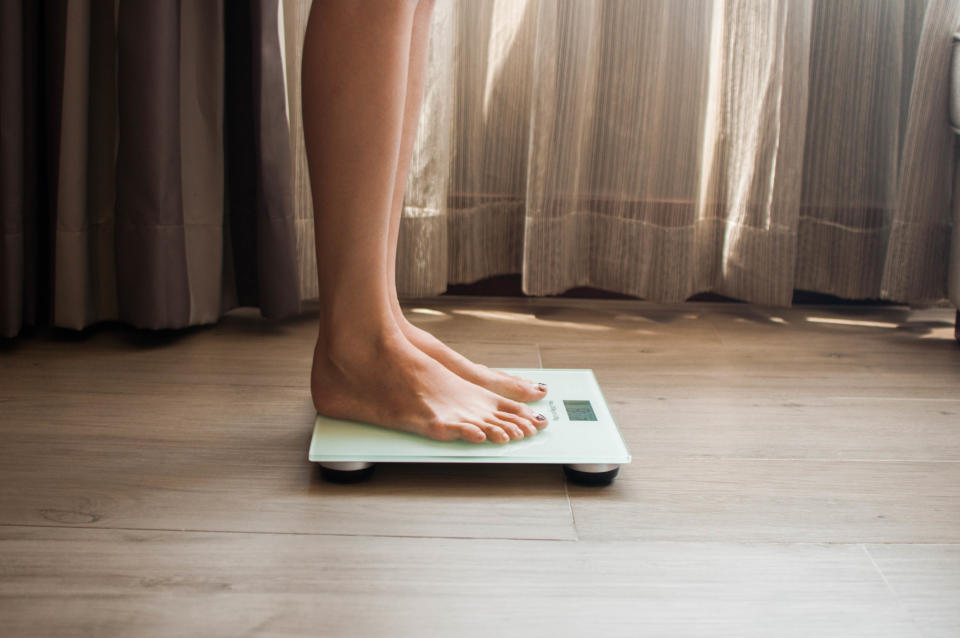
(661, 149)
(153, 167)
(145, 162)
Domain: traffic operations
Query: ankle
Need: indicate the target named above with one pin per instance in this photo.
(347, 346)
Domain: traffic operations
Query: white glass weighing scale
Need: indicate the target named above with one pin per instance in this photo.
(581, 436)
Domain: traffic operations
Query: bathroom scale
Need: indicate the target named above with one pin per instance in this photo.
(581, 436)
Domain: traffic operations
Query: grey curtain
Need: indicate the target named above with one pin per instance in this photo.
(954, 277)
(663, 148)
(145, 163)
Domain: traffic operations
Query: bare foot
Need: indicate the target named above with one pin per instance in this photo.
(504, 384)
(389, 382)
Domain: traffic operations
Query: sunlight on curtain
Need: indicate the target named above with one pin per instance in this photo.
(294, 24)
(423, 241)
(661, 149)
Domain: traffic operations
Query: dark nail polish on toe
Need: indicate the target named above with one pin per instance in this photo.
(539, 417)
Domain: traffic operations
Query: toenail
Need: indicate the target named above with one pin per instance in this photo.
(539, 417)
(542, 386)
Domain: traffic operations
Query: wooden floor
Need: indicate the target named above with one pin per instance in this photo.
(795, 473)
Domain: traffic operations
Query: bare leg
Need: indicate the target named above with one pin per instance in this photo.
(499, 382)
(355, 64)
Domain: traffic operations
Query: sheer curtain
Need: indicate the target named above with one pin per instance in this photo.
(663, 148)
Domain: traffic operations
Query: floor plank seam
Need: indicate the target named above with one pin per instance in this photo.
(810, 460)
(283, 533)
(718, 335)
(175, 384)
(573, 517)
(883, 576)
(890, 398)
(700, 542)
(892, 589)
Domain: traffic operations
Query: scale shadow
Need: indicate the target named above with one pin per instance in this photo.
(449, 478)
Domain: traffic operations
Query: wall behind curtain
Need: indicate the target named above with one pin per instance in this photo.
(145, 163)
(660, 149)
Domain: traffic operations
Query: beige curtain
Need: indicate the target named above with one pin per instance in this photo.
(664, 148)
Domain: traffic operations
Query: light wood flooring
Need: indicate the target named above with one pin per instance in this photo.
(796, 472)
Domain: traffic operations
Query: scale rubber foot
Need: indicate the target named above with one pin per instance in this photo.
(336, 472)
(591, 478)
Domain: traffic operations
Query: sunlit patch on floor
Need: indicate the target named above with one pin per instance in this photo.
(426, 315)
(528, 319)
(853, 322)
(939, 333)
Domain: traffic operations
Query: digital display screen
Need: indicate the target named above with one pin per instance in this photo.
(579, 410)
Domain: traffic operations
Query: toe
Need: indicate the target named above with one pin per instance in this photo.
(540, 420)
(445, 431)
(494, 432)
(528, 428)
(509, 386)
(514, 431)
(520, 389)
(470, 433)
(537, 419)
(539, 388)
